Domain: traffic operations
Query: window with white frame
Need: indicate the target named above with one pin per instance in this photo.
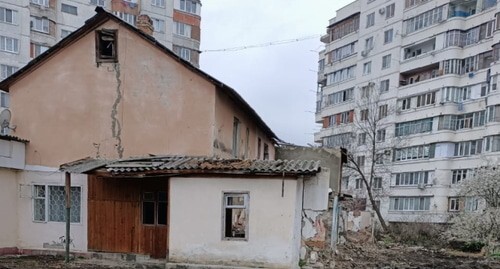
(40, 24)
(9, 44)
(458, 175)
(44, 3)
(388, 36)
(409, 203)
(389, 11)
(158, 3)
(414, 153)
(455, 94)
(158, 25)
(69, 9)
(386, 61)
(463, 121)
(185, 53)
(99, 3)
(337, 140)
(235, 221)
(370, 19)
(361, 138)
(379, 158)
(359, 183)
(65, 33)
(8, 15)
(492, 143)
(49, 203)
(367, 68)
(384, 85)
(453, 204)
(38, 49)
(7, 70)
(406, 104)
(411, 178)
(188, 6)
(369, 44)
(345, 183)
(341, 75)
(126, 17)
(339, 97)
(467, 148)
(471, 204)
(4, 99)
(413, 127)
(360, 160)
(377, 183)
(424, 20)
(364, 115)
(382, 111)
(182, 29)
(342, 52)
(380, 136)
(426, 99)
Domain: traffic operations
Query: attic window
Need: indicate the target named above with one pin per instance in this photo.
(106, 46)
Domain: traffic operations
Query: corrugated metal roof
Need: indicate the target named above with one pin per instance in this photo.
(13, 138)
(188, 164)
(83, 165)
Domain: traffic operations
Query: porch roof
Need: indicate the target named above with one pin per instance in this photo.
(192, 165)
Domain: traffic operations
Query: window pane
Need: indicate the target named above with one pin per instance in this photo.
(235, 222)
(162, 213)
(236, 200)
(57, 205)
(148, 212)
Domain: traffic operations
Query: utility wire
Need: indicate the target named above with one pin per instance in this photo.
(273, 43)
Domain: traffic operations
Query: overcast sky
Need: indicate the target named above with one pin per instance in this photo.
(279, 82)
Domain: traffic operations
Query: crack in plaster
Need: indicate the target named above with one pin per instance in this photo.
(116, 129)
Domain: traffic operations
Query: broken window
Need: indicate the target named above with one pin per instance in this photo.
(106, 46)
(154, 208)
(49, 203)
(236, 215)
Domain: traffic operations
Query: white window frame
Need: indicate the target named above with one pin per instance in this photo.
(185, 53)
(182, 29)
(9, 44)
(370, 20)
(99, 3)
(40, 24)
(453, 204)
(44, 3)
(411, 203)
(188, 6)
(158, 25)
(388, 36)
(158, 3)
(386, 61)
(126, 17)
(377, 183)
(367, 68)
(7, 70)
(245, 207)
(411, 179)
(4, 14)
(389, 11)
(4, 100)
(69, 9)
(46, 198)
(39, 49)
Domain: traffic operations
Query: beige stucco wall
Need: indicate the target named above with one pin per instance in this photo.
(67, 107)
(32, 234)
(8, 208)
(225, 112)
(196, 222)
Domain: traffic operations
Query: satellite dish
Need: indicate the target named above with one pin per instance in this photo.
(5, 115)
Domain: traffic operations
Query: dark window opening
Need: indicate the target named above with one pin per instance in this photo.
(266, 152)
(154, 208)
(106, 45)
(235, 215)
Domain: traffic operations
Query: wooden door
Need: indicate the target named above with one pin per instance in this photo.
(154, 219)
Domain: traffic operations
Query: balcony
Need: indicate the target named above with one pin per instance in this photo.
(466, 8)
(419, 49)
(420, 74)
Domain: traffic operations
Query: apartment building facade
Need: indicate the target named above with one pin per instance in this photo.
(29, 27)
(436, 63)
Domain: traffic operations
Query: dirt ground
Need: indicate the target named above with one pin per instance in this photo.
(365, 255)
(369, 255)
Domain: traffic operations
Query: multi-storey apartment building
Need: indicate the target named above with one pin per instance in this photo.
(29, 27)
(437, 63)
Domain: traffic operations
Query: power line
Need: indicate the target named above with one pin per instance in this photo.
(267, 44)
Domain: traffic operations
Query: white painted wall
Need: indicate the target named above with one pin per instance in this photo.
(8, 208)
(196, 222)
(33, 235)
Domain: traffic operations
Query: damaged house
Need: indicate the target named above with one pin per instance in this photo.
(109, 91)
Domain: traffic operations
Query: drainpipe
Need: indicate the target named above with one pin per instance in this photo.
(335, 225)
(67, 189)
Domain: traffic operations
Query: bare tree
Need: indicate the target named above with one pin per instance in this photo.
(368, 158)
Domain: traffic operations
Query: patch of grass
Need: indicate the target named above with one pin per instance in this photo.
(302, 263)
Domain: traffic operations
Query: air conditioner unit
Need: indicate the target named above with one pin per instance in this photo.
(364, 53)
(371, 84)
(381, 11)
(421, 186)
